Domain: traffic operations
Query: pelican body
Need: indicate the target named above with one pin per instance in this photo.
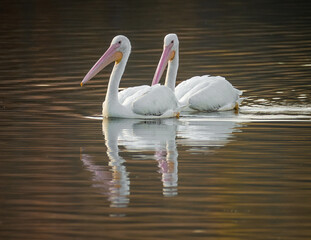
(138, 102)
(200, 93)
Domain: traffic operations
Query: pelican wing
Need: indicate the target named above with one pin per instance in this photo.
(128, 95)
(208, 93)
(156, 101)
(189, 87)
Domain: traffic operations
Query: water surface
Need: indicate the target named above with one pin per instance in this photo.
(66, 173)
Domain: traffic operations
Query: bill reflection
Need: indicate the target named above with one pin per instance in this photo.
(112, 180)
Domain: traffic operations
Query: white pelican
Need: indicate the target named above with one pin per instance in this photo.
(200, 93)
(137, 102)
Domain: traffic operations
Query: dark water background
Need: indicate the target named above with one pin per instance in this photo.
(65, 174)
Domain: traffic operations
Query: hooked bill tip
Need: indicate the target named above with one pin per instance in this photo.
(81, 84)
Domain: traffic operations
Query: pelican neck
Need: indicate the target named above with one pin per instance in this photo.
(171, 74)
(114, 80)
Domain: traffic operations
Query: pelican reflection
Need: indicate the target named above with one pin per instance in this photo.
(207, 132)
(134, 135)
(147, 135)
(113, 180)
(160, 136)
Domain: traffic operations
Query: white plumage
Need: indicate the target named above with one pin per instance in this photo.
(200, 93)
(149, 100)
(207, 93)
(136, 102)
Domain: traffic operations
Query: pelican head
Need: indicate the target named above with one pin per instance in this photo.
(170, 47)
(120, 47)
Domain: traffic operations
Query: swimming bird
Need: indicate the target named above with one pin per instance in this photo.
(137, 102)
(200, 93)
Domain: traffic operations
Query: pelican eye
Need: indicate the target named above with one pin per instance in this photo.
(119, 42)
(172, 41)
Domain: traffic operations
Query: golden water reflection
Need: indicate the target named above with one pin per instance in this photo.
(243, 176)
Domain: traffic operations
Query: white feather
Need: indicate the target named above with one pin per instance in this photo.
(135, 102)
(148, 100)
(156, 101)
(128, 95)
(200, 93)
(206, 93)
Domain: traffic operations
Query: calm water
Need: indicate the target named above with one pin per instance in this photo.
(66, 174)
